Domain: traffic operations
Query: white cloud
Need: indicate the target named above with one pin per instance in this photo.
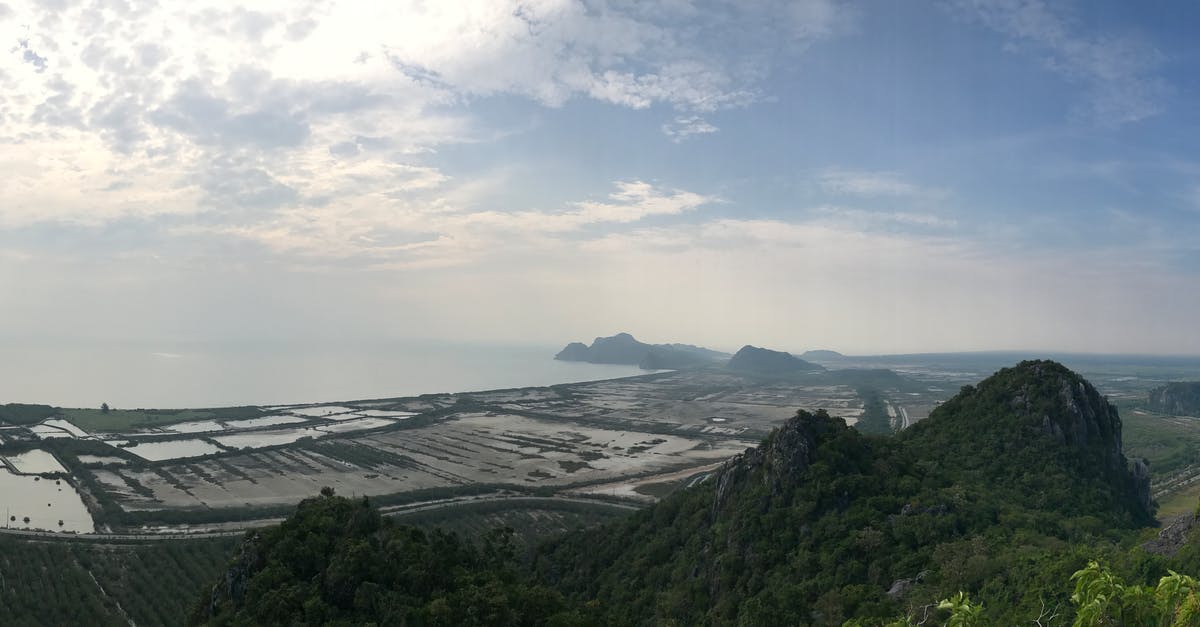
(632, 54)
(683, 127)
(200, 109)
(864, 220)
(871, 184)
(424, 233)
(1118, 70)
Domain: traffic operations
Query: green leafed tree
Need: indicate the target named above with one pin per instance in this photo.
(1105, 599)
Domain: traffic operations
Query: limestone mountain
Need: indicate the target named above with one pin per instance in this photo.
(1039, 415)
(766, 361)
(1180, 399)
(821, 523)
(623, 348)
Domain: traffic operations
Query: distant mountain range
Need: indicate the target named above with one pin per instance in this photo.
(622, 348)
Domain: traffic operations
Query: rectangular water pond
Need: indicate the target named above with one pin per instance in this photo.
(30, 502)
(172, 449)
(35, 462)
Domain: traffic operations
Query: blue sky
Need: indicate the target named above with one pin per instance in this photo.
(863, 176)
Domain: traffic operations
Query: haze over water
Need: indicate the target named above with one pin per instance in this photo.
(167, 375)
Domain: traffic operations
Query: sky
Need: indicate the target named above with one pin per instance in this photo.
(868, 177)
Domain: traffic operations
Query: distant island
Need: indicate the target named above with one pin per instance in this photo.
(1181, 399)
(766, 361)
(623, 348)
(822, 355)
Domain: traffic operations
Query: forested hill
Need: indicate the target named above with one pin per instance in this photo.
(821, 523)
(1002, 493)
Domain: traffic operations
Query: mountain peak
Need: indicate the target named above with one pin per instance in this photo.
(1035, 413)
(623, 348)
(1059, 401)
(764, 360)
(786, 453)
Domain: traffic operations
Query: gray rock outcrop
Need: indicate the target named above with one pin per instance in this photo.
(779, 461)
(1177, 399)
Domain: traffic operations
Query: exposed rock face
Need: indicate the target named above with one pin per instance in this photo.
(622, 348)
(766, 361)
(901, 587)
(1173, 536)
(232, 587)
(778, 461)
(1179, 399)
(1141, 477)
(1086, 417)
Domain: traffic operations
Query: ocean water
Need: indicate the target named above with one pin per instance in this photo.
(132, 375)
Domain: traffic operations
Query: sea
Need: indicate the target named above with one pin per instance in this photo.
(161, 375)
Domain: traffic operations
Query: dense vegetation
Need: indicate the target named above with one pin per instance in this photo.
(337, 561)
(531, 520)
(25, 414)
(118, 420)
(86, 583)
(874, 418)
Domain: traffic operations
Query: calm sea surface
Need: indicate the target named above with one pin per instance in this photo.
(165, 375)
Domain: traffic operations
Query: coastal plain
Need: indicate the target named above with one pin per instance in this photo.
(597, 445)
(632, 438)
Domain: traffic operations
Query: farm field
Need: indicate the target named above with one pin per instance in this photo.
(101, 584)
(634, 439)
(164, 470)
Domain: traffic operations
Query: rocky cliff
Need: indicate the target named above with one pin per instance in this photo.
(1179, 399)
(780, 460)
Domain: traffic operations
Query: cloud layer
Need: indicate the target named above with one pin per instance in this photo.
(537, 169)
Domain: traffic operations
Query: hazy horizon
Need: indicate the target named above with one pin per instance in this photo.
(549, 348)
(866, 177)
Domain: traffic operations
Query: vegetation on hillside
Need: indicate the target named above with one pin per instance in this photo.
(336, 561)
(982, 498)
(86, 583)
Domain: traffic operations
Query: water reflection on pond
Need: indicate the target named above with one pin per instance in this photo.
(172, 449)
(44, 502)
